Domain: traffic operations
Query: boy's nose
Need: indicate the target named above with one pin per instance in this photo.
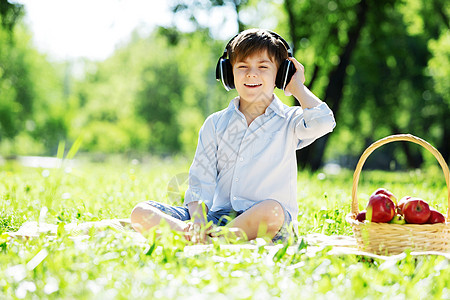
(252, 72)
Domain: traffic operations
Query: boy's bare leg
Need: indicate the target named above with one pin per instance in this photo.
(144, 216)
(263, 219)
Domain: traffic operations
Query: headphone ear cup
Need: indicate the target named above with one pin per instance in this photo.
(284, 74)
(219, 75)
(228, 75)
(281, 74)
(224, 73)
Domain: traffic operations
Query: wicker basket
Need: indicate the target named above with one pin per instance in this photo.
(390, 239)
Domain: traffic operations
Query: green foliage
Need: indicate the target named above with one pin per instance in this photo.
(439, 66)
(381, 65)
(385, 80)
(16, 104)
(10, 14)
(10, 221)
(151, 95)
(160, 100)
(32, 114)
(383, 71)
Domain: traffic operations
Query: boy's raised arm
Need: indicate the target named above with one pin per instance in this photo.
(317, 118)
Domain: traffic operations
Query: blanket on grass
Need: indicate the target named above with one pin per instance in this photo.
(337, 244)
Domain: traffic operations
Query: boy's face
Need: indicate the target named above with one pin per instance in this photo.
(254, 77)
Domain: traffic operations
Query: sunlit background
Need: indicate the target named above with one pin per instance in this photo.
(93, 29)
(136, 77)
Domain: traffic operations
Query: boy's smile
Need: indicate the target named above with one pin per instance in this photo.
(254, 77)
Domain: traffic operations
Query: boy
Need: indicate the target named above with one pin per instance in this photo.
(244, 173)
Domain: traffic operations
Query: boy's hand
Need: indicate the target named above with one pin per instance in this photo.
(196, 229)
(297, 80)
(197, 232)
(297, 88)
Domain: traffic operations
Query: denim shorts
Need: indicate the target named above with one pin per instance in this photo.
(223, 216)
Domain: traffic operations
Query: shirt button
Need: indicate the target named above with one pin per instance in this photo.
(236, 179)
(234, 198)
(241, 158)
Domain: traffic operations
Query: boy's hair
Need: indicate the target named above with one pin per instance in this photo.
(252, 41)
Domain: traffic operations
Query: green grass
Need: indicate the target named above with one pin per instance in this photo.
(112, 265)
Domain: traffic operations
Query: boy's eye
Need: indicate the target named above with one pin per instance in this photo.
(242, 67)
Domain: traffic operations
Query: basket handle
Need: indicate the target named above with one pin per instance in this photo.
(394, 138)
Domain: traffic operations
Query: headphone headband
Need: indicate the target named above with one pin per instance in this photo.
(276, 35)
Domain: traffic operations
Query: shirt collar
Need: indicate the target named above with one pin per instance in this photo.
(234, 104)
(275, 106)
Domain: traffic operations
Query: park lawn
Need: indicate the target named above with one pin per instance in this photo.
(110, 264)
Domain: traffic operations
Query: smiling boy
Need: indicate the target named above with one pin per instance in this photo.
(244, 173)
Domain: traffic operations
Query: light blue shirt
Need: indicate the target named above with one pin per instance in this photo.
(236, 165)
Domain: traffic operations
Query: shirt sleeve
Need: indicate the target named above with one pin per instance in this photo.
(203, 171)
(313, 123)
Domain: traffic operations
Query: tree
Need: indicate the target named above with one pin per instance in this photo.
(436, 25)
(335, 41)
(9, 108)
(159, 100)
(193, 8)
(10, 14)
(354, 47)
(152, 94)
(31, 105)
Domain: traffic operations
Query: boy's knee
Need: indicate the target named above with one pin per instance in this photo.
(136, 213)
(140, 212)
(274, 216)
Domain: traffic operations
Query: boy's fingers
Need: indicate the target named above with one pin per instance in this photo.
(197, 232)
(296, 63)
(299, 67)
(297, 79)
(198, 235)
(196, 227)
(215, 232)
(188, 227)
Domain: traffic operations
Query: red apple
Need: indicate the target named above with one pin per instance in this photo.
(387, 193)
(435, 217)
(416, 211)
(361, 217)
(401, 203)
(380, 208)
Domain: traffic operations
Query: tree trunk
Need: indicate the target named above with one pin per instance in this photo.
(237, 7)
(10, 14)
(414, 159)
(444, 147)
(292, 22)
(312, 155)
